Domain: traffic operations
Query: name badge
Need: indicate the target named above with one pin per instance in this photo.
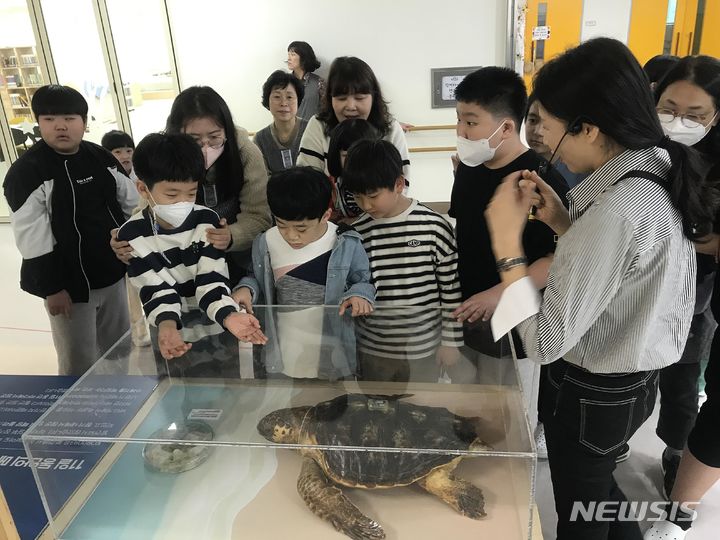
(210, 195)
(287, 158)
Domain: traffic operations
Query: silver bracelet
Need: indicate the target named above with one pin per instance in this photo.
(505, 264)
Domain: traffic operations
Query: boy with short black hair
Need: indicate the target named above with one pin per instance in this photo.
(491, 104)
(306, 260)
(413, 260)
(174, 267)
(66, 195)
(120, 145)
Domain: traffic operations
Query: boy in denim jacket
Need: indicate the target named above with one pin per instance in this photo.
(305, 260)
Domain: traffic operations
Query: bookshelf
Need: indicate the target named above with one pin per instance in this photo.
(20, 77)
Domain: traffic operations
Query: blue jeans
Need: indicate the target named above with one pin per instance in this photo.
(588, 418)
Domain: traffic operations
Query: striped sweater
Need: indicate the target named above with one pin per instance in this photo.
(413, 262)
(177, 270)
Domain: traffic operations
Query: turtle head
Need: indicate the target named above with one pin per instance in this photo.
(283, 425)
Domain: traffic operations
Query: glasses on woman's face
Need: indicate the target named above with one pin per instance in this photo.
(281, 98)
(688, 120)
(214, 141)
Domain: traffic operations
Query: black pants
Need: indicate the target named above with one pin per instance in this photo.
(679, 384)
(588, 418)
(704, 439)
(678, 403)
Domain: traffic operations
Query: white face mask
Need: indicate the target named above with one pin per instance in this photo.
(173, 214)
(474, 153)
(211, 154)
(685, 135)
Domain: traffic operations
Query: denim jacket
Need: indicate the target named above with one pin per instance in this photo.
(348, 274)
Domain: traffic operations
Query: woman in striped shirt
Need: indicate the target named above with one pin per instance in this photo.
(621, 289)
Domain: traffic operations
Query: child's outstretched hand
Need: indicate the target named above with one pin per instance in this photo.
(245, 327)
(243, 297)
(170, 341)
(358, 306)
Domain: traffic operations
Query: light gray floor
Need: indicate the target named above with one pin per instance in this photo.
(640, 478)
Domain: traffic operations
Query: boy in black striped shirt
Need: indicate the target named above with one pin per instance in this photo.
(174, 267)
(413, 262)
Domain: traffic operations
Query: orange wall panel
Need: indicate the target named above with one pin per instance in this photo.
(564, 18)
(647, 28)
(710, 42)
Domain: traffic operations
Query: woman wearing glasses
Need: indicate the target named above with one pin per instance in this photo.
(687, 98)
(688, 105)
(235, 179)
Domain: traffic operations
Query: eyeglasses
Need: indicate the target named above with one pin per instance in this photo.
(688, 120)
(215, 141)
(278, 98)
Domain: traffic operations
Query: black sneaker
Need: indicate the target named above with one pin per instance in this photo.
(669, 467)
(624, 454)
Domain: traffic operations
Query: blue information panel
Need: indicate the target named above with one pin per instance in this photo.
(101, 408)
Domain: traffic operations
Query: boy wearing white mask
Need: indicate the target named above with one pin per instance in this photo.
(174, 266)
(491, 104)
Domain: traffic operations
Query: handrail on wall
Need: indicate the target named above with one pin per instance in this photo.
(425, 149)
(422, 149)
(431, 128)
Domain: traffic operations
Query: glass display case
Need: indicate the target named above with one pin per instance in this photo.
(373, 427)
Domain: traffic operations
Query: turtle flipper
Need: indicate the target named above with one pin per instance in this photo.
(463, 496)
(328, 502)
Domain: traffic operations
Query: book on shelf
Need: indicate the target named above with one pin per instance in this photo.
(28, 59)
(9, 61)
(18, 100)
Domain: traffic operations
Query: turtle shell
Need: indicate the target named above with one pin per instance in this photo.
(379, 421)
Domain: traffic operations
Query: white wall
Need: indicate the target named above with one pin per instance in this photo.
(234, 45)
(139, 59)
(609, 18)
(15, 27)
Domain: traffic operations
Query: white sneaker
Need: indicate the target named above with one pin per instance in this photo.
(540, 442)
(664, 530)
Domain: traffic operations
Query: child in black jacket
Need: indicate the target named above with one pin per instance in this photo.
(66, 195)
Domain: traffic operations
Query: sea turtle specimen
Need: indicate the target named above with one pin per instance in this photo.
(376, 421)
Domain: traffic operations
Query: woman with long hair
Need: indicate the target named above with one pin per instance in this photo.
(689, 110)
(235, 176)
(621, 289)
(687, 98)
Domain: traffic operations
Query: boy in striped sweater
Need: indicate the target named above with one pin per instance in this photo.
(413, 262)
(174, 267)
